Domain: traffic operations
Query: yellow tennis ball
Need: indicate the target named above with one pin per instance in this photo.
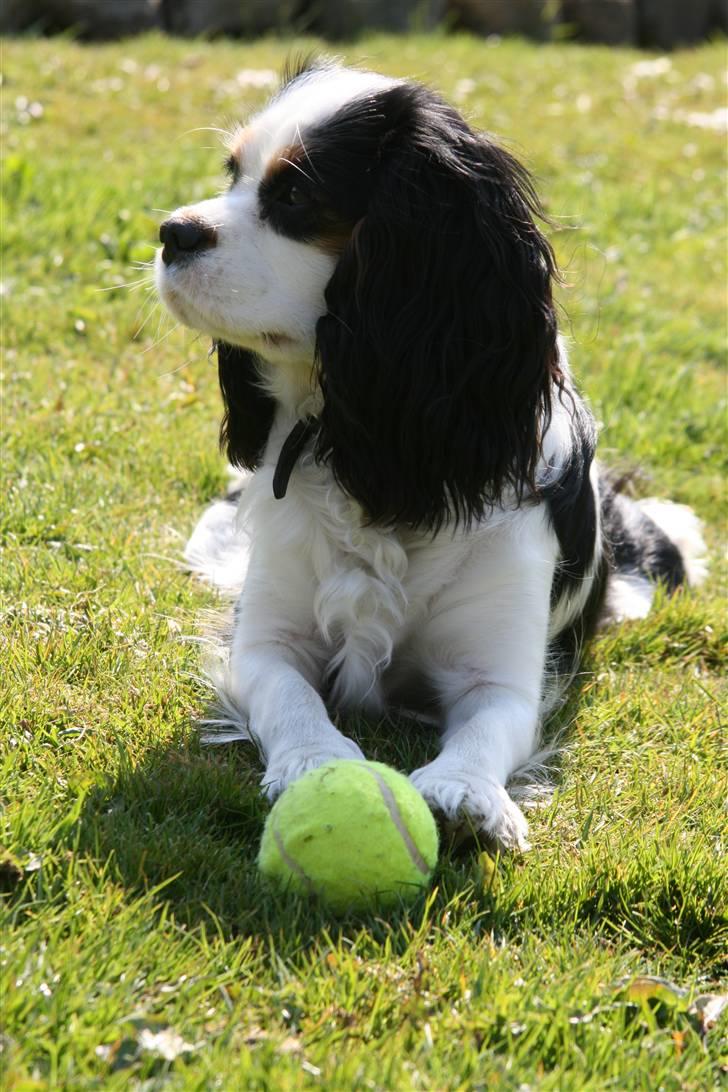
(356, 834)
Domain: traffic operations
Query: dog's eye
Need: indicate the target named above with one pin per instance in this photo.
(294, 196)
(232, 168)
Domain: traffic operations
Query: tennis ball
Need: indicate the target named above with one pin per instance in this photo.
(354, 833)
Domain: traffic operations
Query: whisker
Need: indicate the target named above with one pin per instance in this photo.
(162, 315)
(208, 129)
(163, 375)
(298, 168)
(305, 151)
(161, 339)
(131, 285)
(190, 359)
(137, 333)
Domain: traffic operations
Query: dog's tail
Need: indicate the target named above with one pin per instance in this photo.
(647, 542)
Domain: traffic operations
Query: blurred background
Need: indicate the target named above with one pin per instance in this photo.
(661, 24)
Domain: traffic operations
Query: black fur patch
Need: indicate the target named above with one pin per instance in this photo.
(437, 356)
(566, 649)
(635, 544)
(249, 409)
(572, 504)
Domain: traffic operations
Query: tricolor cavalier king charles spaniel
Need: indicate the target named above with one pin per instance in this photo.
(422, 525)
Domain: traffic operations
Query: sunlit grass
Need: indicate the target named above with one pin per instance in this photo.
(134, 922)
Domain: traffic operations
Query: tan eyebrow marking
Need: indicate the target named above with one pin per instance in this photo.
(288, 156)
(333, 231)
(236, 146)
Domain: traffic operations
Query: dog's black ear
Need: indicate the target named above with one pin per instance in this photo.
(249, 408)
(438, 351)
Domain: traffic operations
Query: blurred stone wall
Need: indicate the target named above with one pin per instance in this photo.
(661, 24)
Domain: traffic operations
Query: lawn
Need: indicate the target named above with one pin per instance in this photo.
(138, 947)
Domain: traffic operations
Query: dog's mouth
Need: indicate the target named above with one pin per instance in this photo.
(190, 308)
(275, 339)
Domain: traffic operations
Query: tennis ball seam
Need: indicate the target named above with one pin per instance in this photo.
(291, 862)
(397, 818)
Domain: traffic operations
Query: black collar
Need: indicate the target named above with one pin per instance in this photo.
(291, 451)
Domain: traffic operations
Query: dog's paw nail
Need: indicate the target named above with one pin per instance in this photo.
(280, 775)
(475, 803)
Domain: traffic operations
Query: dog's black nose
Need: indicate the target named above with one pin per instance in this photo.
(182, 238)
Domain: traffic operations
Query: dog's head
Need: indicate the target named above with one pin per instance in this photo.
(376, 257)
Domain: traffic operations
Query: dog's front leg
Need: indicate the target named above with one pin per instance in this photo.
(489, 732)
(287, 717)
(277, 662)
(484, 650)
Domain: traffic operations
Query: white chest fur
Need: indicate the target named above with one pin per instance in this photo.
(350, 598)
(350, 579)
(353, 591)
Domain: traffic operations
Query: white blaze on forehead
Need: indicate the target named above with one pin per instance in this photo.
(308, 101)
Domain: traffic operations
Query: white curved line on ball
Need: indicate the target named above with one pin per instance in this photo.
(291, 862)
(388, 796)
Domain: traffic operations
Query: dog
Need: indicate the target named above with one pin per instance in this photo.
(422, 524)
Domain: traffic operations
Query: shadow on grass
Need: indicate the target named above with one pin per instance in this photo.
(185, 823)
(188, 821)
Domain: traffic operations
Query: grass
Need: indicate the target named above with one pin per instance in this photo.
(138, 948)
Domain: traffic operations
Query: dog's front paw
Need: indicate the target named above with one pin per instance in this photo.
(467, 799)
(280, 772)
